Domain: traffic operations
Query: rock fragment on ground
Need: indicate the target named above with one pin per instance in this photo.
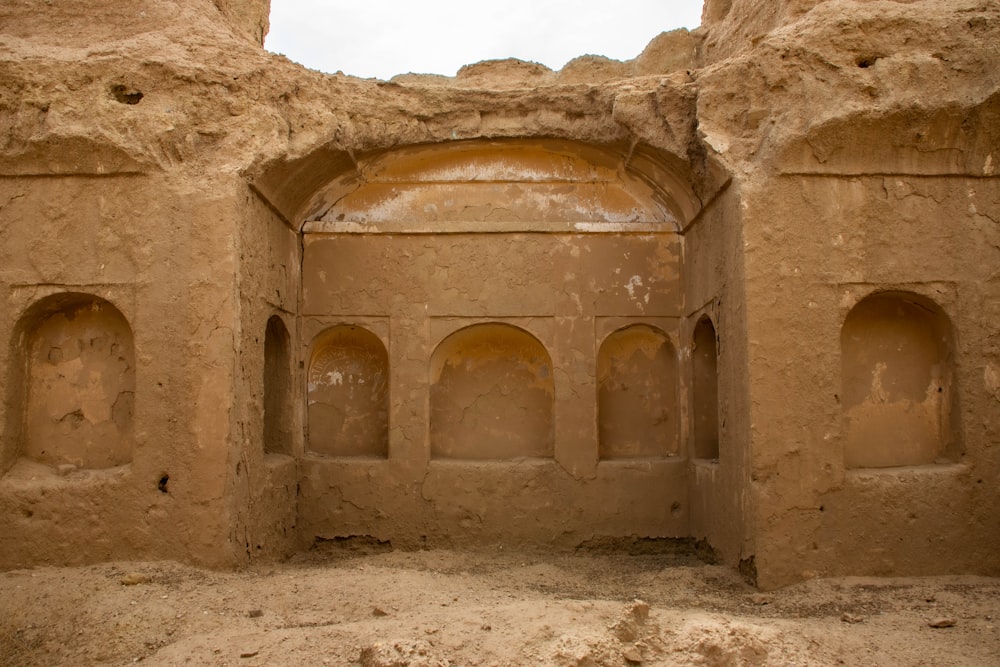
(134, 578)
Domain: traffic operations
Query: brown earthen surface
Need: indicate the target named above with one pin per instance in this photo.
(372, 606)
(739, 291)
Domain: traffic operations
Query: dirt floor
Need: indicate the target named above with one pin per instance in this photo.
(362, 603)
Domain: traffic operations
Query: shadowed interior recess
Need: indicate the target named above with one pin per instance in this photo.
(637, 382)
(80, 383)
(705, 366)
(896, 355)
(491, 395)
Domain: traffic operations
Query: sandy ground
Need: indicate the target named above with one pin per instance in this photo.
(355, 603)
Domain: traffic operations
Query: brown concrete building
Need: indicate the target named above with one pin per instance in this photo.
(742, 290)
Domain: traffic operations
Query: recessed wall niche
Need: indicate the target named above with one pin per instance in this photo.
(705, 369)
(277, 388)
(637, 394)
(348, 394)
(491, 395)
(79, 384)
(896, 377)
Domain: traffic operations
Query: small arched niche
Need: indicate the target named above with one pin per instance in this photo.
(896, 382)
(277, 388)
(348, 394)
(78, 388)
(492, 395)
(705, 380)
(637, 394)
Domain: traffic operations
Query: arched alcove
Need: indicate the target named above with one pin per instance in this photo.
(494, 183)
(348, 394)
(491, 396)
(896, 381)
(78, 385)
(277, 388)
(637, 394)
(705, 378)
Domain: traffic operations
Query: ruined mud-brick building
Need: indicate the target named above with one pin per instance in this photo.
(742, 290)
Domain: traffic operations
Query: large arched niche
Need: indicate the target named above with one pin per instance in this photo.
(491, 396)
(71, 398)
(897, 374)
(480, 184)
(637, 407)
(348, 394)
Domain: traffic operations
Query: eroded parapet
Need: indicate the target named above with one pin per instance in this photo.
(249, 18)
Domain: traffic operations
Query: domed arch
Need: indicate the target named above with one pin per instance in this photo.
(492, 395)
(897, 373)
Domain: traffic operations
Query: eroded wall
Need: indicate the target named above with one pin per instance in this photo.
(347, 394)
(896, 374)
(493, 343)
(113, 306)
(493, 276)
(885, 191)
(719, 392)
(268, 419)
(878, 431)
(491, 395)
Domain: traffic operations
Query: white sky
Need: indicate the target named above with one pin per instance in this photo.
(382, 38)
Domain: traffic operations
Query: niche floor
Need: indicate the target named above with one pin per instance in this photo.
(344, 605)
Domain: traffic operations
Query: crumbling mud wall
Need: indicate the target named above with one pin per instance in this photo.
(869, 240)
(456, 301)
(266, 435)
(111, 320)
(716, 353)
(738, 291)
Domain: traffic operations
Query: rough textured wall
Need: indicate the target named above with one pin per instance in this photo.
(638, 407)
(395, 287)
(249, 18)
(855, 514)
(79, 393)
(715, 306)
(95, 207)
(890, 189)
(73, 240)
(267, 428)
(492, 318)
(732, 26)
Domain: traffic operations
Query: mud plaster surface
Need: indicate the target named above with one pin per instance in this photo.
(344, 605)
